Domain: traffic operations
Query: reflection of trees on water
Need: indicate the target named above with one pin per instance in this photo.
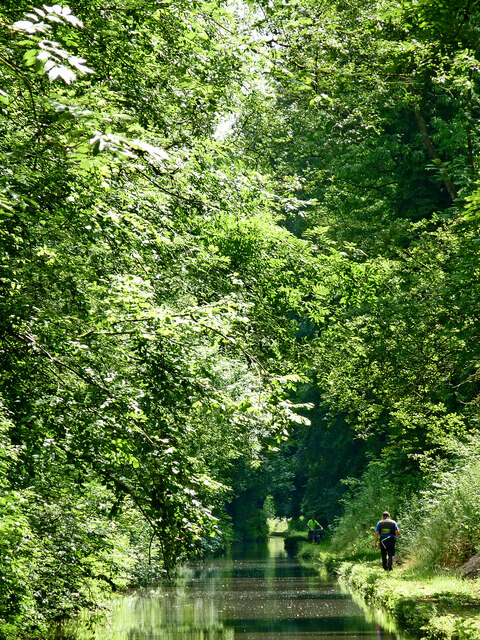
(385, 635)
(182, 633)
(178, 615)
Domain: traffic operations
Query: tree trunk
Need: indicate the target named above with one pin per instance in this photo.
(432, 152)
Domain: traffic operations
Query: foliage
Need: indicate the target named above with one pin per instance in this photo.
(146, 292)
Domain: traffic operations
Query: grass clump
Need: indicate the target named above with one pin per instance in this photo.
(428, 605)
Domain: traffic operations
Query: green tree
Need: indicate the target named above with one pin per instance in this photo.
(145, 288)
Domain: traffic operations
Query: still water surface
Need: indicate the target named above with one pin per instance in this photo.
(250, 596)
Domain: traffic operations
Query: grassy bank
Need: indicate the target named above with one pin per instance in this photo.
(294, 537)
(427, 605)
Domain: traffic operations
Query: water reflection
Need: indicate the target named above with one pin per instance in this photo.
(259, 594)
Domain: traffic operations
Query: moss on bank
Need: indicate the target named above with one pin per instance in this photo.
(430, 606)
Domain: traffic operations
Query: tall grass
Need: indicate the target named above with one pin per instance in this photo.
(365, 502)
(448, 519)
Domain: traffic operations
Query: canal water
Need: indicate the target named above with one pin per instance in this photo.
(257, 594)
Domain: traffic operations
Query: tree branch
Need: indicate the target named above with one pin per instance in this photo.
(23, 77)
(432, 152)
(28, 339)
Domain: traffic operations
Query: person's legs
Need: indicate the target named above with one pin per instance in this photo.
(311, 535)
(390, 552)
(383, 550)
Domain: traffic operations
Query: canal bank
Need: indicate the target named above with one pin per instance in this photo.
(430, 606)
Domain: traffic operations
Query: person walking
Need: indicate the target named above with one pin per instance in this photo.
(314, 530)
(387, 530)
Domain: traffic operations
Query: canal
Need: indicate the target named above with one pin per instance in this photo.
(257, 594)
